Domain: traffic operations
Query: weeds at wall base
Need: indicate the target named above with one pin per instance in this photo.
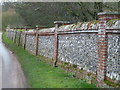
(75, 72)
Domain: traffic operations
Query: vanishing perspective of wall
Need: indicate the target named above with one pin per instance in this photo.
(80, 49)
(94, 48)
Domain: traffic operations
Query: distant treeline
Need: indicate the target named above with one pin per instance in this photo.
(45, 13)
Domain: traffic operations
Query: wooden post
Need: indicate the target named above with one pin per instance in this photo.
(36, 50)
(25, 38)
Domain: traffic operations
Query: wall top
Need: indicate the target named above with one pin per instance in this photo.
(109, 13)
(62, 22)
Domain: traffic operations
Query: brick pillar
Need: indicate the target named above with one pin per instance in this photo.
(56, 45)
(14, 37)
(102, 45)
(25, 38)
(57, 24)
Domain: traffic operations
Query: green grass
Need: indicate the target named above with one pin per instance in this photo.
(42, 75)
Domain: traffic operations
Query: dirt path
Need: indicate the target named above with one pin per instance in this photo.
(12, 74)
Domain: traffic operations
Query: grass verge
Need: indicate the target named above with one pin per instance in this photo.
(42, 75)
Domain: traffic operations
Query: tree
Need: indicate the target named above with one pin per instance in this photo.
(45, 13)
